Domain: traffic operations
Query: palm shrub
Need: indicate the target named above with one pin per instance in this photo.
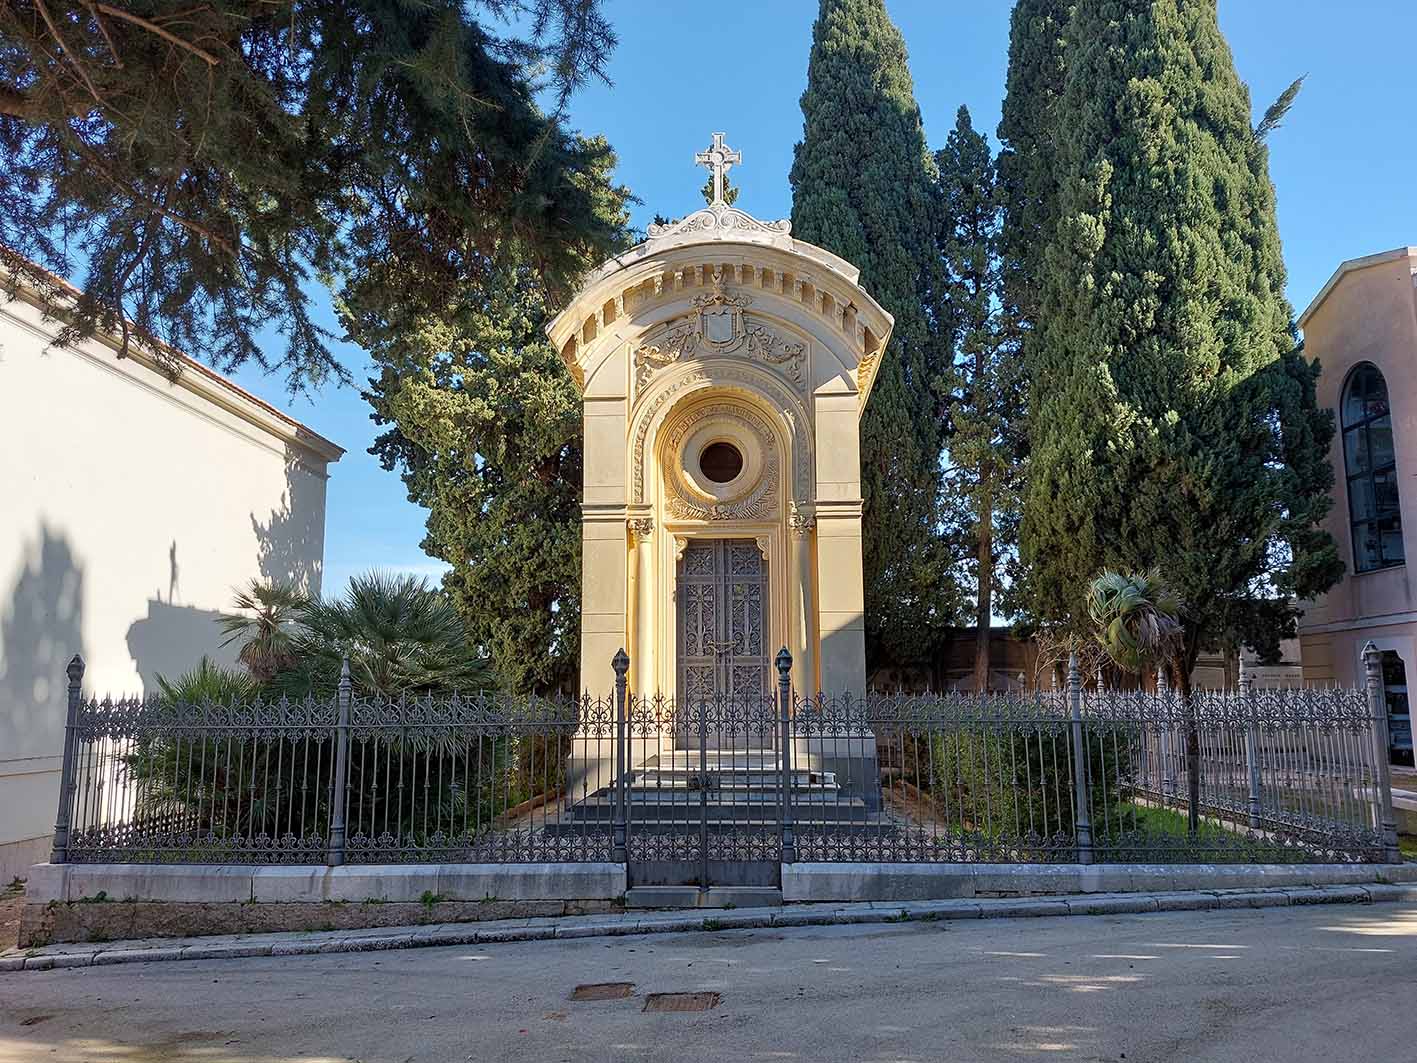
(401, 637)
(192, 778)
(265, 623)
(1137, 617)
(1138, 623)
(403, 640)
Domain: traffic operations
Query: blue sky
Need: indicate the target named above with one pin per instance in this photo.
(1344, 162)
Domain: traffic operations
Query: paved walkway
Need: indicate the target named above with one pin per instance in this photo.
(1275, 985)
(238, 946)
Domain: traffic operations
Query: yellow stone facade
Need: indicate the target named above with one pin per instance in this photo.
(724, 367)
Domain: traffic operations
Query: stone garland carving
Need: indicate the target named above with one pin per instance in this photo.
(720, 374)
(863, 369)
(718, 326)
(760, 500)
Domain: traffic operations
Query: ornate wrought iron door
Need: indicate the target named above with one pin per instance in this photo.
(722, 613)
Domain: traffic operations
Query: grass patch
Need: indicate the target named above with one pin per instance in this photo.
(1407, 846)
(1151, 834)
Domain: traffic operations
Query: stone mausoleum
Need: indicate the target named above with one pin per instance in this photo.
(724, 367)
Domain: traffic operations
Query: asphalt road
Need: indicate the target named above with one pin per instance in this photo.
(1290, 984)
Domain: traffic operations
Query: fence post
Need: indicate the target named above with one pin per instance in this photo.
(618, 830)
(1193, 769)
(1082, 821)
(68, 785)
(784, 705)
(1168, 762)
(338, 800)
(1252, 740)
(1377, 708)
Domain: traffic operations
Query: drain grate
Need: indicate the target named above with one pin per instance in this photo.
(681, 1001)
(603, 991)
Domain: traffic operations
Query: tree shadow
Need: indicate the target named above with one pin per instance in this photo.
(41, 628)
(291, 540)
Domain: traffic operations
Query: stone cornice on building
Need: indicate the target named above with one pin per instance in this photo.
(195, 378)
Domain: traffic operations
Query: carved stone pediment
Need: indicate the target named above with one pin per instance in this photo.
(721, 220)
(719, 326)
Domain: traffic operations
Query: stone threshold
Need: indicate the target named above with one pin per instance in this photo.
(795, 915)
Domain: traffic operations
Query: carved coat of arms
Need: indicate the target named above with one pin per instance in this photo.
(718, 326)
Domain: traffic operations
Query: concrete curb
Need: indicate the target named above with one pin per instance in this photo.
(544, 929)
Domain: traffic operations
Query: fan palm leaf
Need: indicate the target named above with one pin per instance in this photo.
(265, 623)
(1137, 617)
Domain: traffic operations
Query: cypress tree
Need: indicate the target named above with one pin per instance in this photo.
(1037, 57)
(861, 183)
(1172, 425)
(983, 468)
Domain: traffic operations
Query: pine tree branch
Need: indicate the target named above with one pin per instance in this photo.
(73, 57)
(153, 27)
(103, 29)
(17, 104)
(185, 223)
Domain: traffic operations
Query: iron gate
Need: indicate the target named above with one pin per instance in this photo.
(705, 786)
(704, 796)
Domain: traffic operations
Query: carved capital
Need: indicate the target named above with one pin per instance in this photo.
(640, 529)
(801, 520)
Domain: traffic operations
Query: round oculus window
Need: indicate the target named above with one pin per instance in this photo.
(721, 462)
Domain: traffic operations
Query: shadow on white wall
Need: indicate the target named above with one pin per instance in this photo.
(41, 627)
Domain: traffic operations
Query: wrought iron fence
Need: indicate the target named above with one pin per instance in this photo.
(1069, 776)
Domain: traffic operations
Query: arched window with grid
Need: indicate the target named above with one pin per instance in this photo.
(1370, 465)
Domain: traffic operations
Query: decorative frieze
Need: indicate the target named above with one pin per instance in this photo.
(719, 326)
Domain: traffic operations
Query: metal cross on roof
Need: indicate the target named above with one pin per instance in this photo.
(719, 158)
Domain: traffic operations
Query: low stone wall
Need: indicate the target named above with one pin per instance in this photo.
(48, 924)
(104, 902)
(921, 882)
(111, 902)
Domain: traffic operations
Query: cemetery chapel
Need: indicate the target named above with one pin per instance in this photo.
(724, 367)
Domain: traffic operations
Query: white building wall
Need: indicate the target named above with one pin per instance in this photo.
(130, 506)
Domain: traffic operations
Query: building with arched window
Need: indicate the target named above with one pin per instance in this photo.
(1362, 328)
